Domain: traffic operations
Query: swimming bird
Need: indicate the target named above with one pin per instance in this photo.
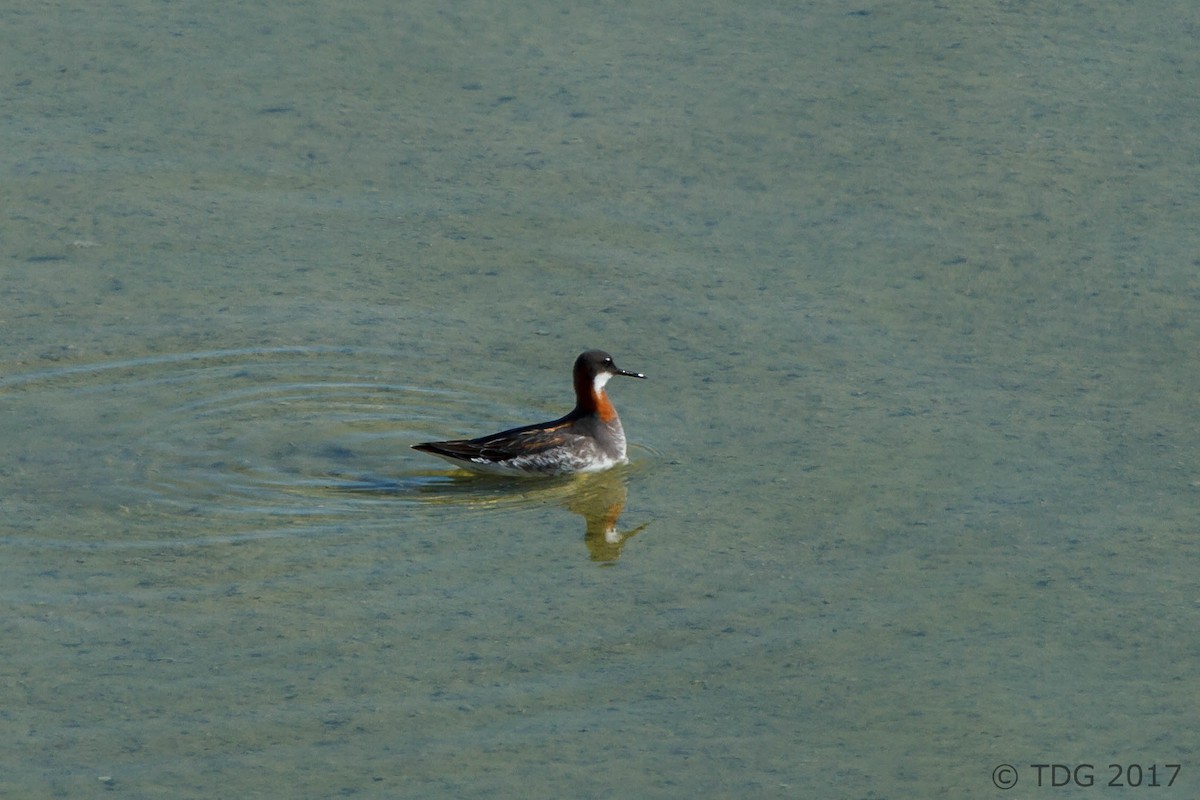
(589, 439)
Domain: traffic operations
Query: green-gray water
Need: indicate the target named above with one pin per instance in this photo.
(914, 486)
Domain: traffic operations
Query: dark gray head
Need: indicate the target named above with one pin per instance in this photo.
(594, 364)
(592, 371)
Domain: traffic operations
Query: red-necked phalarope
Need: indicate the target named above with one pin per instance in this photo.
(589, 439)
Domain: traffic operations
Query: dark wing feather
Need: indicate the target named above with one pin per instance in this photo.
(524, 441)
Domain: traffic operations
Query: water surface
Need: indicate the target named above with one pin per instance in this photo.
(913, 490)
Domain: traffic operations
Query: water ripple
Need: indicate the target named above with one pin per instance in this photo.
(255, 442)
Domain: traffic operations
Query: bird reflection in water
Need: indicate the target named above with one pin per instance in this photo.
(598, 497)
